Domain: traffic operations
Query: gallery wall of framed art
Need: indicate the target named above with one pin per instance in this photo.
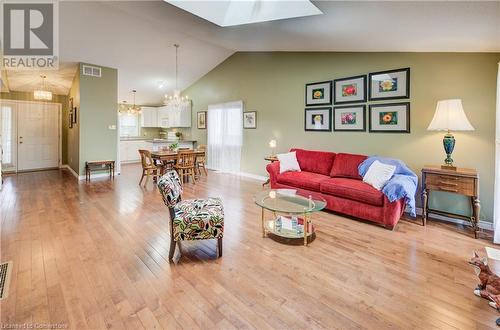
(349, 97)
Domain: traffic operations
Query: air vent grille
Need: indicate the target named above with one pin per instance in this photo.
(5, 270)
(92, 71)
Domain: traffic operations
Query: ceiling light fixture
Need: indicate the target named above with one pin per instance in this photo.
(43, 93)
(176, 101)
(130, 110)
(162, 84)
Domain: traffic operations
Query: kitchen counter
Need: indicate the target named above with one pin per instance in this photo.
(156, 140)
(170, 141)
(135, 138)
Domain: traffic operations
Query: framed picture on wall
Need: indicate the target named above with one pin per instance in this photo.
(318, 119)
(349, 118)
(349, 90)
(389, 85)
(319, 93)
(390, 118)
(70, 118)
(250, 119)
(202, 120)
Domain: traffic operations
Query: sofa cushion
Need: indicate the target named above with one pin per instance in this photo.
(304, 180)
(315, 161)
(352, 189)
(346, 166)
(288, 162)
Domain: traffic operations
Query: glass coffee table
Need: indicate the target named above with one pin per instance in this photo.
(292, 215)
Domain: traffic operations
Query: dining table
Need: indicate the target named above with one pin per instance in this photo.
(166, 156)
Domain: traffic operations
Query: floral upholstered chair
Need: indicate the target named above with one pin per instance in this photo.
(191, 219)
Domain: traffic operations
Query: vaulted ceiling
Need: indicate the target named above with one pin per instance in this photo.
(137, 37)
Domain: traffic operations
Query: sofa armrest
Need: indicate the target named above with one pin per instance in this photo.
(393, 211)
(273, 169)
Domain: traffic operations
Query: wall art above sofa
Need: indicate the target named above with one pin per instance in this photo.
(389, 85)
(349, 90)
(318, 119)
(390, 118)
(319, 93)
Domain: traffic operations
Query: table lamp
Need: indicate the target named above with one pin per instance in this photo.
(272, 145)
(449, 116)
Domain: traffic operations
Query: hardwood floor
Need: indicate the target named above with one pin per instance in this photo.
(95, 256)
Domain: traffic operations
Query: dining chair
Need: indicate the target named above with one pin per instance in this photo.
(185, 165)
(166, 165)
(191, 219)
(148, 166)
(201, 159)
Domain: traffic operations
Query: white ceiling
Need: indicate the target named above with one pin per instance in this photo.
(57, 81)
(137, 37)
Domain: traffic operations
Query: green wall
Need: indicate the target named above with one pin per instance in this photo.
(98, 99)
(73, 149)
(273, 85)
(62, 99)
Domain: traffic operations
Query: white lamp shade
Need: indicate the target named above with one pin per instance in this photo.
(450, 116)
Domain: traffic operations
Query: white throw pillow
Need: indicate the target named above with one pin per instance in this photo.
(378, 174)
(288, 162)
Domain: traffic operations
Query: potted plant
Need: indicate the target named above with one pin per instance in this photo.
(173, 146)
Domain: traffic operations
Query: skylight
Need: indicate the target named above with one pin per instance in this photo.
(238, 12)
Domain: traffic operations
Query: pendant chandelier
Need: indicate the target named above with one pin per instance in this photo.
(176, 101)
(43, 93)
(131, 110)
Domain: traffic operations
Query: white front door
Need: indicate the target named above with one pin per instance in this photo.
(38, 136)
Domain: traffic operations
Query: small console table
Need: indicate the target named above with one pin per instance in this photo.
(461, 181)
(99, 165)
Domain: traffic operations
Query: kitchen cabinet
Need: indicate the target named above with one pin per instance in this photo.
(163, 117)
(174, 117)
(180, 117)
(129, 150)
(149, 117)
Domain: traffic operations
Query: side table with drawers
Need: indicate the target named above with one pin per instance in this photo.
(462, 181)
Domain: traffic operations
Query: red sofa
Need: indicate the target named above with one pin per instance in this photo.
(335, 177)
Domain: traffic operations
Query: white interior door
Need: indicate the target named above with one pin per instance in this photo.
(38, 136)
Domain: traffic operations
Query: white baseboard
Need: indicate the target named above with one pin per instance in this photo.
(243, 174)
(253, 176)
(482, 224)
(66, 166)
